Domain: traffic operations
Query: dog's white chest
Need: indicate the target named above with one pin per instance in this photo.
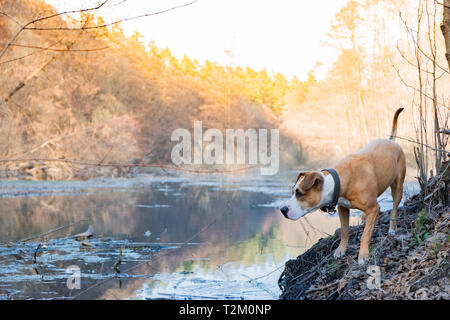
(345, 203)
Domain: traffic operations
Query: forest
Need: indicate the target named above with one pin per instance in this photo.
(93, 94)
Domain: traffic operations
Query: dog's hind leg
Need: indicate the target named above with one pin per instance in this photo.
(344, 214)
(397, 193)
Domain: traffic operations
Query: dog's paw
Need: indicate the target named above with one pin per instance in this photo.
(339, 252)
(363, 259)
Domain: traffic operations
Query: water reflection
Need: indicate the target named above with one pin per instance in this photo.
(182, 238)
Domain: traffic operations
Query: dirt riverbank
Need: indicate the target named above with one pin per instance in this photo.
(413, 264)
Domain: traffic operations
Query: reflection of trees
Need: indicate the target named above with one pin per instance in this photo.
(199, 206)
(109, 213)
(242, 253)
(243, 233)
(113, 213)
(237, 234)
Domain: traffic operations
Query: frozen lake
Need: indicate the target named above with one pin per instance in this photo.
(190, 237)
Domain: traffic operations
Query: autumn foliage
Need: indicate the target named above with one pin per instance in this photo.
(98, 95)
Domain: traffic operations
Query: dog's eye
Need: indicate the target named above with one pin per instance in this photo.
(298, 194)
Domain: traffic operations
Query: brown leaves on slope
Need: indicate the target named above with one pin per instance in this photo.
(407, 271)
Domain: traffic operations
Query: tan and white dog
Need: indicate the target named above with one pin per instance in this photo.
(363, 176)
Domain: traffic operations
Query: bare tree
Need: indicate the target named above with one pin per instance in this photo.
(31, 25)
(445, 27)
(430, 101)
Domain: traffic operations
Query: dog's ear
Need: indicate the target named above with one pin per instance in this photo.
(301, 174)
(312, 179)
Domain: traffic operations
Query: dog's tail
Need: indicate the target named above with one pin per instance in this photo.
(394, 124)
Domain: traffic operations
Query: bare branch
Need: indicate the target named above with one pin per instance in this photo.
(441, 4)
(127, 165)
(41, 235)
(415, 89)
(419, 48)
(24, 27)
(59, 49)
(419, 143)
(445, 28)
(111, 23)
(30, 54)
(10, 17)
(35, 73)
(66, 12)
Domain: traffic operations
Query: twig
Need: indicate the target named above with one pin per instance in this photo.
(147, 262)
(10, 17)
(24, 27)
(422, 144)
(35, 73)
(440, 3)
(51, 231)
(313, 270)
(30, 54)
(36, 252)
(415, 89)
(433, 59)
(106, 155)
(438, 183)
(266, 275)
(128, 165)
(322, 288)
(58, 49)
(111, 23)
(118, 262)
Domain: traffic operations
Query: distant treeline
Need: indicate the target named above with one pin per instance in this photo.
(98, 95)
(97, 92)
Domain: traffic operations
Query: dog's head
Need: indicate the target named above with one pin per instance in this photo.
(306, 195)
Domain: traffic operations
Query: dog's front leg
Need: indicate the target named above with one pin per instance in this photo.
(344, 214)
(371, 220)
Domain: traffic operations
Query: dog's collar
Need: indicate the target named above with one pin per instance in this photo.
(331, 207)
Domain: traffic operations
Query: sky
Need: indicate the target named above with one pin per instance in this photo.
(284, 36)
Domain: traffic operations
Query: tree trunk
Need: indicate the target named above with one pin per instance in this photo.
(445, 27)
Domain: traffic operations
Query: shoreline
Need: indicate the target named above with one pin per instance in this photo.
(414, 264)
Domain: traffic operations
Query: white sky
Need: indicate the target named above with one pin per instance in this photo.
(280, 35)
